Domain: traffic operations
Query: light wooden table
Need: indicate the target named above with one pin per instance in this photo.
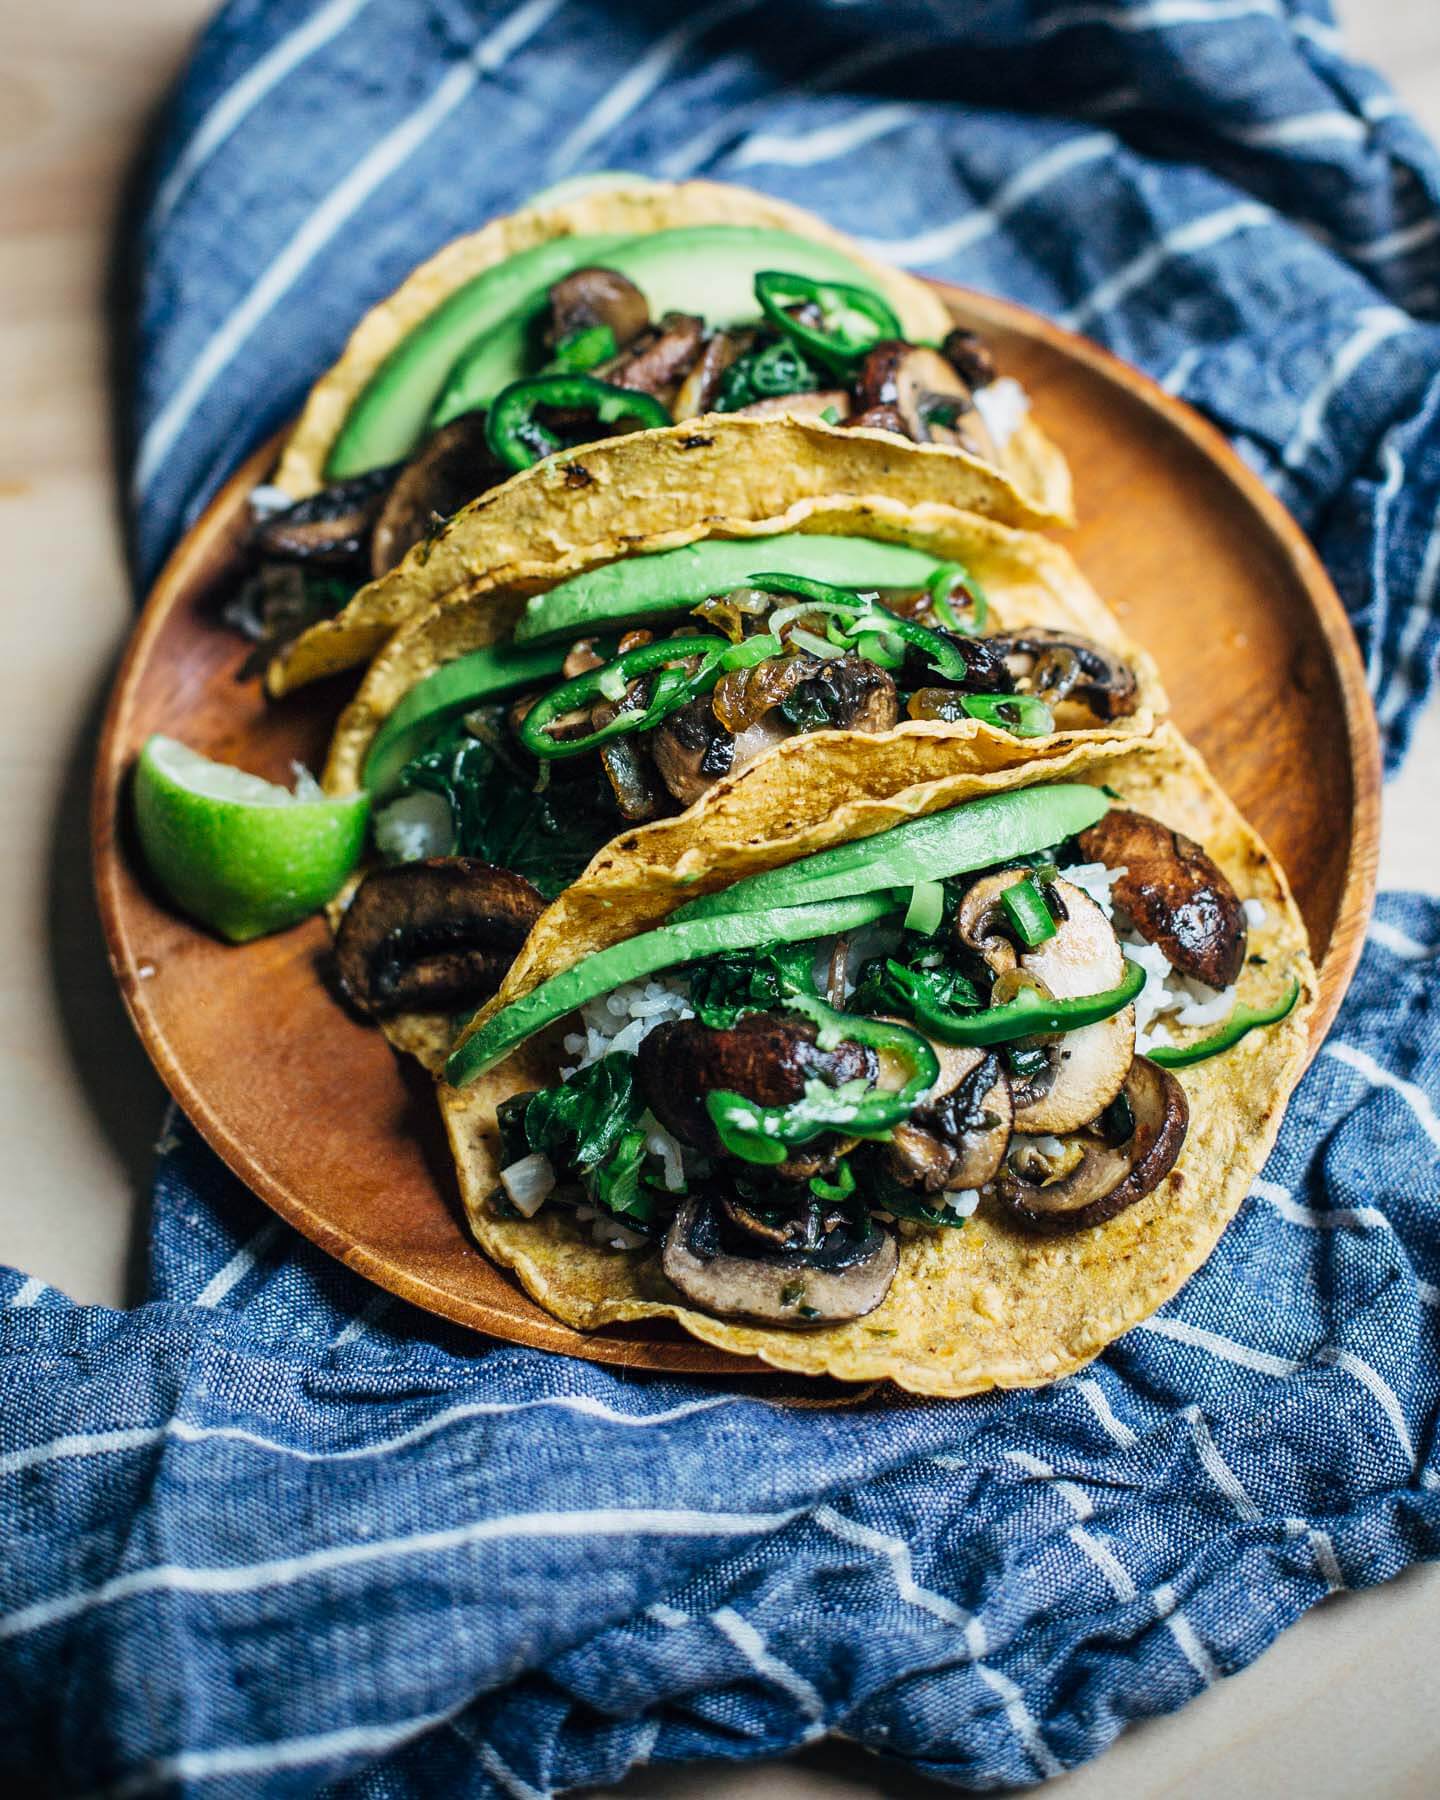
(1349, 1700)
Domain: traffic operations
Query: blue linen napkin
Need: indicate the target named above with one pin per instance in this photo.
(275, 1533)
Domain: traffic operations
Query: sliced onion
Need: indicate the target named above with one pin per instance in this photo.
(529, 1183)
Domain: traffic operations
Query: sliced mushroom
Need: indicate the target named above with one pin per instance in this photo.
(658, 362)
(692, 750)
(958, 1138)
(1108, 1177)
(969, 355)
(597, 296)
(878, 418)
(1060, 667)
(932, 399)
(433, 935)
(1177, 897)
(331, 528)
(847, 1277)
(1087, 1067)
(763, 1056)
(699, 388)
(853, 694)
(811, 405)
(454, 467)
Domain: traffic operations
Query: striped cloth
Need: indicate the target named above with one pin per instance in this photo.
(272, 1533)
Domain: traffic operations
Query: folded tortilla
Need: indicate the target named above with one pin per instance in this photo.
(990, 1305)
(572, 498)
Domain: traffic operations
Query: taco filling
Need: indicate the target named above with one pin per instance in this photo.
(586, 358)
(604, 712)
(788, 1078)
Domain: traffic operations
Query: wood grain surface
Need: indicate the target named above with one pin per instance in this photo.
(1347, 1701)
(311, 1110)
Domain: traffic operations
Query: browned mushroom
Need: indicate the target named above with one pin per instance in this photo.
(657, 362)
(1085, 1069)
(597, 296)
(692, 750)
(699, 388)
(430, 936)
(1177, 897)
(933, 401)
(1107, 1176)
(845, 1277)
(331, 528)
(969, 355)
(957, 1138)
(764, 1057)
(1062, 667)
(454, 467)
(812, 405)
(878, 418)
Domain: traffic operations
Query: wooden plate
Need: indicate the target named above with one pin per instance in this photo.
(310, 1109)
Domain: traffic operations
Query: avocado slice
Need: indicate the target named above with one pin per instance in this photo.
(388, 416)
(672, 581)
(973, 835)
(705, 269)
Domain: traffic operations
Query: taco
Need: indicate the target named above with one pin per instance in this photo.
(629, 309)
(623, 715)
(954, 1088)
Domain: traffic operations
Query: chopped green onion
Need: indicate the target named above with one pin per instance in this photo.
(1024, 906)
(927, 908)
(948, 581)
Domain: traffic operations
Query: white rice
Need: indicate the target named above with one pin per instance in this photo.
(1096, 880)
(414, 826)
(961, 1201)
(1003, 405)
(1255, 913)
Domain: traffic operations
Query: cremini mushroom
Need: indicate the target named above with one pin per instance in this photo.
(431, 936)
(658, 361)
(692, 750)
(1085, 1069)
(1177, 897)
(1107, 1176)
(933, 400)
(698, 390)
(330, 529)
(969, 355)
(812, 405)
(720, 1271)
(957, 1138)
(597, 296)
(1062, 668)
(454, 466)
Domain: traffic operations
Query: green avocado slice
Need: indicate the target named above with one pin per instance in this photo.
(388, 416)
(974, 835)
(704, 269)
(672, 581)
(664, 948)
(446, 694)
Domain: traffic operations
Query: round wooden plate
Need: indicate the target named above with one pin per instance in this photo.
(313, 1111)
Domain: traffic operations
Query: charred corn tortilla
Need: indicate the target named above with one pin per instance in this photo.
(990, 1305)
(654, 489)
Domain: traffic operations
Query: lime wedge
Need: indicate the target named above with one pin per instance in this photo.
(242, 855)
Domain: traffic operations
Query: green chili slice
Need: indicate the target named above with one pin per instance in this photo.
(858, 1108)
(1029, 1014)
(954, 578)
(1022, 715)
(516, 435)
(927, 908)
(673, 688)
(1024, 906)
(866, 615)
(582, 350)
(1241, 1023)
(853, 319)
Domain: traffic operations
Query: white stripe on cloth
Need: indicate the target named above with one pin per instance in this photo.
(239, 1266)
(236, 102)
(1022, 1720)
(338, 207)
(1300, 130)
(1323, 1551)
(101, 1443)
(1094, 1397)
(1377, 1386)
(1399, 942)
(1106, 1561)
(1185, 240)
(752, 1646)
(941, 242)
(373, 1309)
(1389, 244)
(1216, 1467)
(897, 1553)
(1155, 17)
(245, 1578)
(496, 1767)
(164, 1772)
(1428, 1292)
(1370, 1071)
(1401, 684)
(29, 1291)
(640, 82)
(1184, 1634)
(1197, 1338)
(1074, 1497)
(1375, 325)
(1332, 1218)
(826, 143)
(1393, 467)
